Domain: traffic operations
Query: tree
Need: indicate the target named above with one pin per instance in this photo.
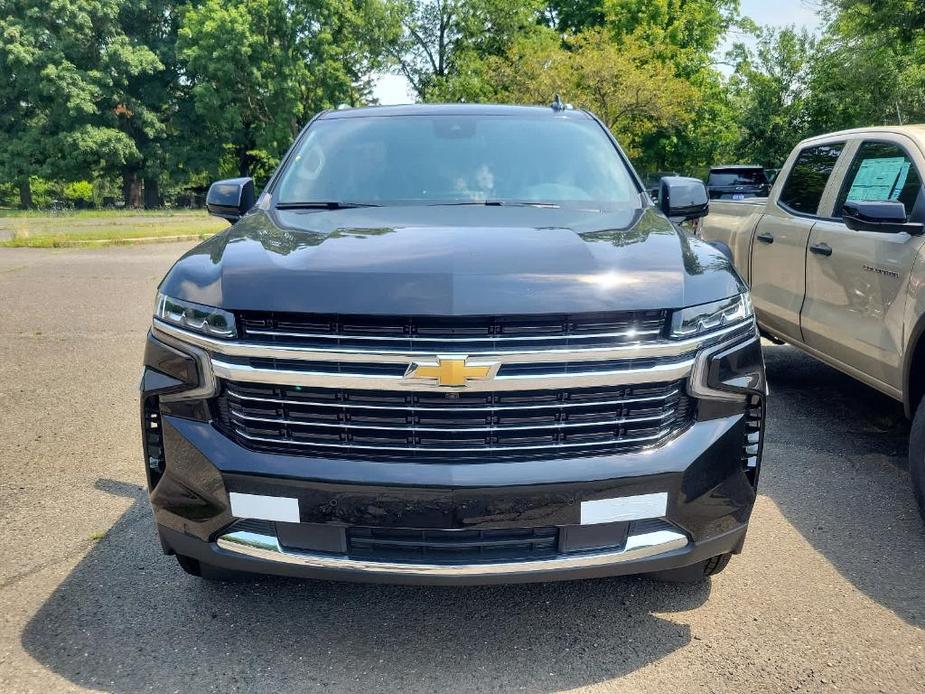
(682, 34)
(633, 94)
(770, 89)
(444, 42)
(880, 46)
(693, 26)
(259, 68)
(65, 64)
(151, 97)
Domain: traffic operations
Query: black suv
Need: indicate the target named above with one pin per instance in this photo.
(453, 344)
(738, 182)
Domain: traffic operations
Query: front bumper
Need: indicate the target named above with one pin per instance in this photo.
(704, 478)
(709, 500)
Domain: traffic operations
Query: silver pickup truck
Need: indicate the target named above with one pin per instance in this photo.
(834, 257)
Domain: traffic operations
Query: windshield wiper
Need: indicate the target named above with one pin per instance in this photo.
(324, 205)
(498, 203)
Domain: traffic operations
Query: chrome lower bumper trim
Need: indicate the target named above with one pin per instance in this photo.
(637, 547)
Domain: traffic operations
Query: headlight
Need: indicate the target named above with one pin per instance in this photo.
(696, 320)
(196, 317)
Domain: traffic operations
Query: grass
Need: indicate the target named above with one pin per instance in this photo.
(32, 229)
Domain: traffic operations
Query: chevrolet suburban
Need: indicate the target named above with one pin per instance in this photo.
(453, 344)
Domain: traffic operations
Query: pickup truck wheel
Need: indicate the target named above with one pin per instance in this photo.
(917, 456)
(695, 573)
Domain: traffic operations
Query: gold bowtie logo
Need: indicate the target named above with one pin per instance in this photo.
(451, 372)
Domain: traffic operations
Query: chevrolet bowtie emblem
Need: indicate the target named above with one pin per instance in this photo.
(453, 371)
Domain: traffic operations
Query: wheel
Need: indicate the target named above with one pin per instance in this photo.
(199, 569)
(694, 573)
(917, 456)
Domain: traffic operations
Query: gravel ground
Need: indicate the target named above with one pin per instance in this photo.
(827, 595)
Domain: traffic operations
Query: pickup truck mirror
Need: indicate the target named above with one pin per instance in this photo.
(231, 198)
(681, 198)
(887, 216)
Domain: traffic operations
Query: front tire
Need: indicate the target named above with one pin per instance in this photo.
(695, 573)
(917, 456)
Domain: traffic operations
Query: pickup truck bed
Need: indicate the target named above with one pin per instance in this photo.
(732, 223)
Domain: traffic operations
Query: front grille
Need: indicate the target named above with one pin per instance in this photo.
(391, 424)
(436, 333)
(451, 546)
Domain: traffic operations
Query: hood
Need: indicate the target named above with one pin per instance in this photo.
(452, 260)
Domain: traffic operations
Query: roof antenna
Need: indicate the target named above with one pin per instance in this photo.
(557, 105)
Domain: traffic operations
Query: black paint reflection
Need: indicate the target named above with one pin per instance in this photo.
(446, 260)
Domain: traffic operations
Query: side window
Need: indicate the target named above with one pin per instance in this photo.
(880, 171)
(806, 181)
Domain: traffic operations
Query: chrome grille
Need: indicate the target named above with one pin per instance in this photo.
(540, 387)
(330, 422)
(467, 333)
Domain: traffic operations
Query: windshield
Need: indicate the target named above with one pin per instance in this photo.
(456, 159)
(738, 177)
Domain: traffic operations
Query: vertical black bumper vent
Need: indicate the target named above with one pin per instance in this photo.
(153, 440)
(754, 438)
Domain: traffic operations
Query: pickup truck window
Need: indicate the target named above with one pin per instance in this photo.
(459, 159)
(880, 171)
(808, 177)
(737, 177)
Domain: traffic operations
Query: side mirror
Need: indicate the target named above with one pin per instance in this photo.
(887, 216)
(231, 198)
(682, 199)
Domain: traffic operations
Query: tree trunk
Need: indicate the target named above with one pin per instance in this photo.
(25, 194)
(131, 189)
(244, 162)
(152, 194)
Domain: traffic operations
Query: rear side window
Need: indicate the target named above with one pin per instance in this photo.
(881, 171)
(806, 181)
(738, 177)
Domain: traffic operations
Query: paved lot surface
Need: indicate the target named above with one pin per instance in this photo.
(827, 596)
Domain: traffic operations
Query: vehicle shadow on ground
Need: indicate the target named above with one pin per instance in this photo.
(835, 463)
(126, 619)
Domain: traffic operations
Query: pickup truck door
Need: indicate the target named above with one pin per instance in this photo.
(778, 274)
(856, 281)
(778, 263)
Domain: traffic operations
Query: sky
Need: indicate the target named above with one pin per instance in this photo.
(394, 89)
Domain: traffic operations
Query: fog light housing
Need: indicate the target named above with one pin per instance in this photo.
(730, 371)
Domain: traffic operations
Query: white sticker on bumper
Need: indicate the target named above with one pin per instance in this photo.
(625, 508)
(257, 506)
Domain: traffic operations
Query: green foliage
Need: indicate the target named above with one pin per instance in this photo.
(80, 192)
(880, 46)
(44, 191)
(868, 68)
(172, 93)
(632, 93)
(573, 15)
(770, 90)
(65, 65)
(695, 26)
(444, 43)
(259, 68)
